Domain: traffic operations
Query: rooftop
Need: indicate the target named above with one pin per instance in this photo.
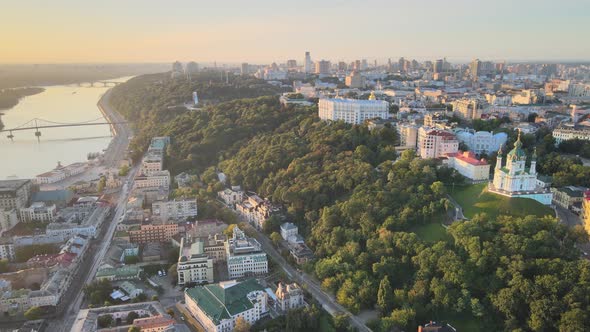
(468, 157)
(223, 300)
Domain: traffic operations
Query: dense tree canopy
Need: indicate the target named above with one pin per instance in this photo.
(357, 203)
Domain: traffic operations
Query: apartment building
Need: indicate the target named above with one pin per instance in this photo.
(15, 194)
(433, 143)
(352, 110)
(194, 265)
(147, 233)
(175, 210)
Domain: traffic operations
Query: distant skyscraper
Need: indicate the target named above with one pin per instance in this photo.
(438, 66)
(342, 66)
(177, 67)
(245, 69)
(291, 64)
(192, 67)
(474, 68)
(403, 66)
(364, 64)
(307, 66)
(322, 67)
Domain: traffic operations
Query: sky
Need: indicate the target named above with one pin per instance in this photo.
(263, 31)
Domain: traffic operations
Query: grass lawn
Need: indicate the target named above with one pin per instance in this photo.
(432, 232)
(476, 199)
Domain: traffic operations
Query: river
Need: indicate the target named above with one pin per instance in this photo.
(25, 157)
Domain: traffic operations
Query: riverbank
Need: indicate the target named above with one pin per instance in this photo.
(117, 149)
(10, 97)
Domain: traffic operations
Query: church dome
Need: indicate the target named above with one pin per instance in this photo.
(517, 151)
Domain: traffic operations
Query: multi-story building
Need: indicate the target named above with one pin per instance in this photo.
(159, 144)
(322, 67)
(355, 80)
(215, 247)
(152, 162)
(38, 212)
(468, 109)
(290, 296)
(176, 210)
(231, 196)
(434, 143)
(482, 141)
(255, 210)
(8, 219)
(244, 256)
(408, 135)
(289, 230)
(152, 233)
(216, 307)
(529, 96)
(15, 194)
(470, 167)
(156, 179)
(307, 64)
(194, 265)
(565, 133)
(6, 249)
(567, 197)
(352, 110)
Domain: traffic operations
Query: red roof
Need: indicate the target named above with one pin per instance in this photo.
(441, 133)
(468, 157)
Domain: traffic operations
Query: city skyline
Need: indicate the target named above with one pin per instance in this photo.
(263, 31)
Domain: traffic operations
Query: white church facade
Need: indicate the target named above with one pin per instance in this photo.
(515, 180)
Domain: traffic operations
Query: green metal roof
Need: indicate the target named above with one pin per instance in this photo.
(220, 303)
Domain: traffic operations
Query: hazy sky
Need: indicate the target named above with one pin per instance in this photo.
(48, 31)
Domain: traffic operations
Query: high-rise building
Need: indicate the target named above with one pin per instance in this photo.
(364, 64)
(307, 65)
(342, 66)
(245, 69)
(438, 66)
(468, 109)
(322, 67)
(192, 67)
(355, 80)
(474, 68)
(291, 64)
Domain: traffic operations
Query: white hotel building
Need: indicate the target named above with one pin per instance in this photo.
(244, 256)
(352, 110)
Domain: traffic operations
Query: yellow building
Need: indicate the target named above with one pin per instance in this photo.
(586, 211)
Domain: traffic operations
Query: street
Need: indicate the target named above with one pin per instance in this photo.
(312, 285)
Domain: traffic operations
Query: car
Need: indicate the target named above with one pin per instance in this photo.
(181, 317)
(159, 273)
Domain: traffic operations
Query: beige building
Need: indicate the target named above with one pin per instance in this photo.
(194, 265)
(434, 143)
(290, 296)
(355, 80)
(470, 167)
(408, 135)
(467, 109)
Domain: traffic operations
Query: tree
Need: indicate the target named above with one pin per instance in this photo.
(104, 321)
(124, 170)
(134, 329)
(155, 298)
(173, 273)
(241, 325)
(170, 312)
(275, 238)
(131, 317)
(33, 313)
(385, 296)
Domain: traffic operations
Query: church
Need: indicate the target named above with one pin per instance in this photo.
(515, 180)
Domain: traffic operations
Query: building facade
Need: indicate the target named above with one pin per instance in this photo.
(38, 212)
(482, 141)
(15, 194)
(217, 306)
(194, 265)
(176, 210)
(352, 110)
(434, 143)
(470, 167)
(244, 256)
(153, 233)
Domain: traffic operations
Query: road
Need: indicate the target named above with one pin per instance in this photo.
(114, 154)
(72, 311)
(118, 146)
(325, 299)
